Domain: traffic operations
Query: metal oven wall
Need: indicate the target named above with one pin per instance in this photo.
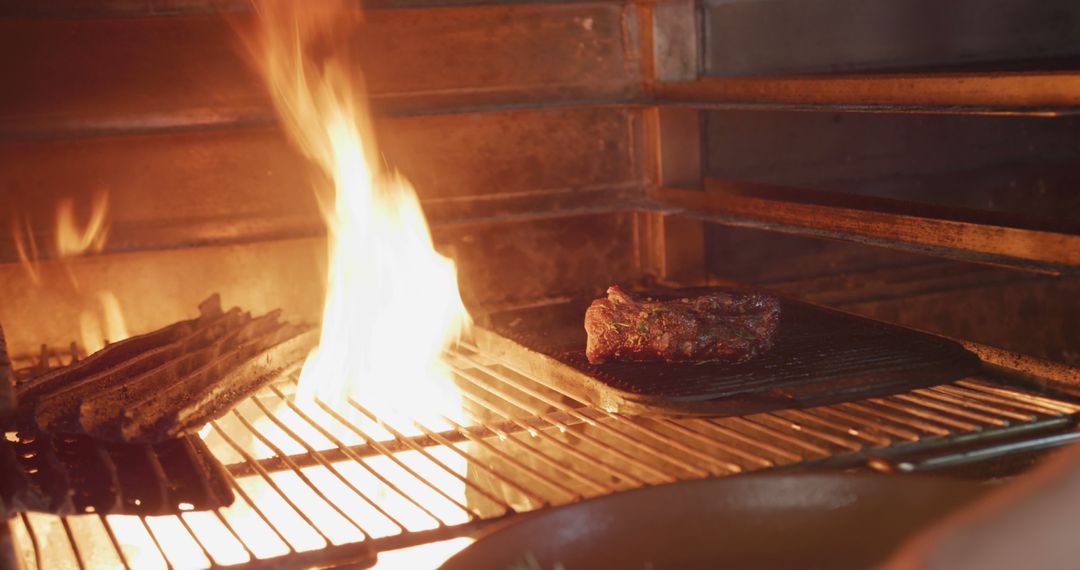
(529, 133)
(513, 121)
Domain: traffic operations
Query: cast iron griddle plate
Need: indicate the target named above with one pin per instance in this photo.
(821, 356)
(764, 522)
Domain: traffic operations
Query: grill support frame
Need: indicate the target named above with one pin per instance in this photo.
(942, 426)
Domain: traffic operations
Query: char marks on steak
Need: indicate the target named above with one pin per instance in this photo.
(728, 327)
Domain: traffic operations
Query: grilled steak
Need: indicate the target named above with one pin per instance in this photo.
(729, 327)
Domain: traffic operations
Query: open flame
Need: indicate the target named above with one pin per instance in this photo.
(101, 327)
(71, 240)
(101, 319)
(97, 327)
(392, 307)
(392, 302)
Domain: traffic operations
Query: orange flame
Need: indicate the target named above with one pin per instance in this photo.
(392, 302)
(70, 239)
(101, 328)
(27, 249)
(101, 319)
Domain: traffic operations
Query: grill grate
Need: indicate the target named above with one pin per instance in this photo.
(323, 487)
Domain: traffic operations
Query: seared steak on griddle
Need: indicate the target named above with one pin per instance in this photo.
(730, 327)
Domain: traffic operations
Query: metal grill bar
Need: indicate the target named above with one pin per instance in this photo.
(544, 458)
(201, 542)
(382, 449)
(913, 423)
(269, 480)
(974, 395)
(781, 437)
(608, 429)
(737, 436)
(861, 432)
(925, 413)
(233, 533)
(1001, 411)
(703, 438)
(449, 445)
(523, 445)
(320, 459)
(574, 495)
(114, 541)
(74, 545)
(983, 386)
(870, 426)
(601, 465)
(520, 404)
(157, 543)
(25, 521)
(346, 451)
(299, 473)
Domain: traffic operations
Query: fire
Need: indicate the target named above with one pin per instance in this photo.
(392, 303)
(27, 248)
(99, 328)
(392, 307)
(70, 239)
(101, 319)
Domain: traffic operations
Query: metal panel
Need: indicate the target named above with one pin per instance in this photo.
(1029, 93)
(79, 77)
(760, 37)
(675, 40)
(1022, 169)
(679, 149)
(464, 166)
(759, 206)
(511, 260)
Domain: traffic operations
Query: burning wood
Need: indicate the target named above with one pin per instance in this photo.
(109, 434)
(168, 382)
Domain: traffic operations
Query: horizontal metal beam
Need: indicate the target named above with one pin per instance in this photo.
(1024, 93)
(165, 74)
(751, 205)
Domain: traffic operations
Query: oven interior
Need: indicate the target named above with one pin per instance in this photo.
(907, 162)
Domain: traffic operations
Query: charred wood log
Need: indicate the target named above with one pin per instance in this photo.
(201, 397)
(166, 383)
(112, 433)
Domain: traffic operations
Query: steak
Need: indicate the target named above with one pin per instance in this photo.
(718, 326)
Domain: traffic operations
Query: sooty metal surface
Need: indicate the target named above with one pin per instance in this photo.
(821, 356)
(71, 474)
